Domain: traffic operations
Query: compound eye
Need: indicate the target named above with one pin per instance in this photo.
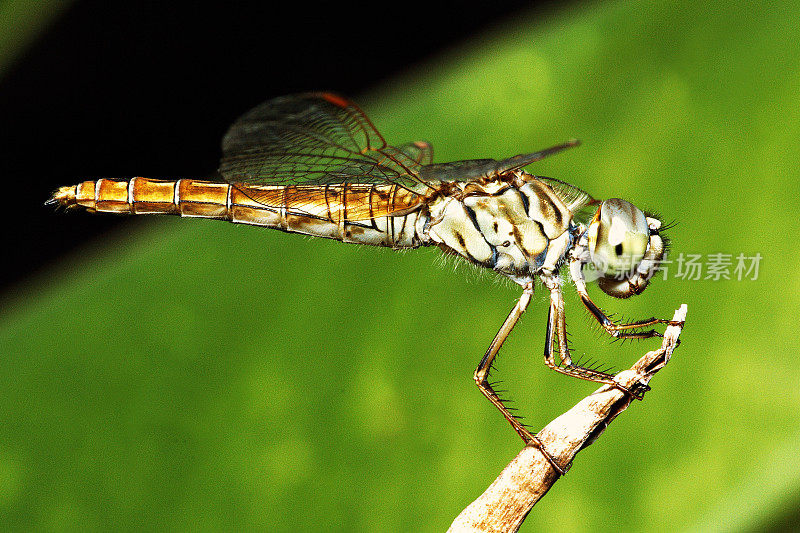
(618, 237)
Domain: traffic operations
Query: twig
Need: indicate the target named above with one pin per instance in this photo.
(527, 478)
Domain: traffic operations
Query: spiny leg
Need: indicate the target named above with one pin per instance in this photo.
(482, 375)
(608, 325)
(557, 326)
(484, 367)
(557, 332)
(618, 330)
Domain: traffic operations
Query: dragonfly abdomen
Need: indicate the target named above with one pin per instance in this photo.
(364, 214)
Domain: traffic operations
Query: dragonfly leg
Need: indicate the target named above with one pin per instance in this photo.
(557, 333)
(485, 366)
(620, 331)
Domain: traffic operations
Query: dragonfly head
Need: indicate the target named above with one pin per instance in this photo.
(625, 247)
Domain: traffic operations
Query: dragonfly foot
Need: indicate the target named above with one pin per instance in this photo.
(532, 440)
(636, 392)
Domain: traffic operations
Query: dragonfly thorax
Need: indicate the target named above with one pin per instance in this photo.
(514, 224)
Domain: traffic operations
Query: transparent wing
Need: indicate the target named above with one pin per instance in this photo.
(419, 151)
(482, 168)
(469, 170)
(314, 139)
(574, 198)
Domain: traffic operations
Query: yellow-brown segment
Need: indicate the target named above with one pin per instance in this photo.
(384, 215)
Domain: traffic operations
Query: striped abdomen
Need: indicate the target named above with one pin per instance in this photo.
(383, 215)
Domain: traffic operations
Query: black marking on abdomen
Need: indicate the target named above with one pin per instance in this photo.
(541, 229)
(538, 261)
(526, 202)
(518, 237)
(545, 200)
(463, 251)
(490, 263)
(461, 242)
(473, 218)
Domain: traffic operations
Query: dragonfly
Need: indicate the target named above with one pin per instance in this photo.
(315, 164)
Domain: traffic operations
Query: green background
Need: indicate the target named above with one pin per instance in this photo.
(194, 374)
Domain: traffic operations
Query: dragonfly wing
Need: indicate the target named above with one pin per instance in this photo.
(475, 169)
(519, 161)
(574, 198)
(419, 151)
(313, 139)
(469, 170)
